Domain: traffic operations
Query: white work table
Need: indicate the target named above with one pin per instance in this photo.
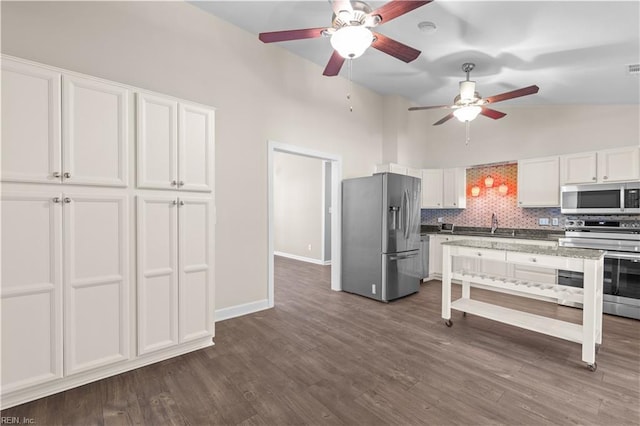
(589, 262)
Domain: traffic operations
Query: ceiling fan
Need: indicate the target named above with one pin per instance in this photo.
(468, 104)
(351, 33)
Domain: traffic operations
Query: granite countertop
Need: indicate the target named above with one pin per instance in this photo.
(576, 253)
(526, 234)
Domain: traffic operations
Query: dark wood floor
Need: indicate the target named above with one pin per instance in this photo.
(323, 357)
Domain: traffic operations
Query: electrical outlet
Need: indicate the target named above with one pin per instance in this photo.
(373, 289)
(440, 220)
(555, 221)
(544, 221)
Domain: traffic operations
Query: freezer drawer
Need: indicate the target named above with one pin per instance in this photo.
(401, 274)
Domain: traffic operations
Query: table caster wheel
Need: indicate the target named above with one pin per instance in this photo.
(464, 314)
(448, 323)
(592, 367)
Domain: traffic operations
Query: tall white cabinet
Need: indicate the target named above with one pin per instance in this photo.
(101, 272)
(175, 260)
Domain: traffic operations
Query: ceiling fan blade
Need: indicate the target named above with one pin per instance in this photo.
(396, 8)
(334, 65)
(530, 90)
(430, 107)
(492, 113)
(287, 35)
(394, 48)
(444, 119)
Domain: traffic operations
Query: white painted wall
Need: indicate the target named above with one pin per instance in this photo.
(261, 92)
(297, 209)
(525, 132)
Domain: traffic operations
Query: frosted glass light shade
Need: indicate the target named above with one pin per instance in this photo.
(475, 191)
(488, 182)
(467, 113)
(467, 90)
(351, 42)
(503, 188)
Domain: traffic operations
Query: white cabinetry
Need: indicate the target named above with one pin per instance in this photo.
(444, 188)
(50, 242)
(175, 271)
(539, 182)
(612, 165)
(175, 144)
(92, 149)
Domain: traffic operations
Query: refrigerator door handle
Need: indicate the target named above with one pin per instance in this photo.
(404, 256)
(407, 214)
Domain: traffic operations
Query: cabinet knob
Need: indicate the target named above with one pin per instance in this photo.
(534, 260)
(593, 178)
(56, 175)
(479, 254)
(174, 183)
(519, 202)
(56, 199)
(181, 183)
(67, 200)
(605, 177)
(181, 203)
(174, 202)
(67, 175)
(454, 204)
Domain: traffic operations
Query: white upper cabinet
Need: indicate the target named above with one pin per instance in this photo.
(62, 129)
(95, 132)
(31, 140)
(175, 144)
(611, 165)
(617, 165)
(391, 168)
(539, 182)
(444, 188)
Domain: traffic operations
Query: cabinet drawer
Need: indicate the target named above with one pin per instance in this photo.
(545, 261)
(481, 254)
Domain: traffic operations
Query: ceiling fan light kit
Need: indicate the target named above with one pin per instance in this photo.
(352, 41)
(467, 113)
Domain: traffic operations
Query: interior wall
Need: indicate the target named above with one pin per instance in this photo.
(261, 92)
(526, 132)
(297, 208)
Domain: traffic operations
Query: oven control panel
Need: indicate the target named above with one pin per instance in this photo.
(603, 225)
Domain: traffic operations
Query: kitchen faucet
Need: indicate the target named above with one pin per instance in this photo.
(494, 223)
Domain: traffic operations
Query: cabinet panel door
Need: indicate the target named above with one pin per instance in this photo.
(454, 188)
(157, 219)
(539, 182)
(157, 121)
(578, 168)
(618, 165)
(30, 123)
(196, 148)
(432, 188)
(95, 132)
(96, 281)
(195, 256)
(31, 290)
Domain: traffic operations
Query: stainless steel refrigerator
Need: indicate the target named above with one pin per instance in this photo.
(381, 236)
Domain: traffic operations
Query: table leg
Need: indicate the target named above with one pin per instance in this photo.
(446, 282)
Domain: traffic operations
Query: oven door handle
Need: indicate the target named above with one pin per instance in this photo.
(623, 256)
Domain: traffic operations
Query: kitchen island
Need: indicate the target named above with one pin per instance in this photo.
(589, 262)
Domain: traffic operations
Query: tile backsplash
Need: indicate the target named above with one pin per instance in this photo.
(479, 209)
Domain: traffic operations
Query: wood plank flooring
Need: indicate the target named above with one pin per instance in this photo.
(324, 357)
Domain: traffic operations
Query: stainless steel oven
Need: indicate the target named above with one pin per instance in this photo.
(621, 240)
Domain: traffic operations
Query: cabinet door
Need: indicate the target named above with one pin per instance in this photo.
(539, 182)
(414, 172)
(617, 165)
(454, 188)
(435, 254)
(96, 281)
(157, 259)
(195, 263)
(157, 121)
(196, 162)
(578, 168)
(31, 290)
(31, 147)
(94, 132)
(432, 188)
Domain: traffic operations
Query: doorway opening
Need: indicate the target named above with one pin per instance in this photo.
(332, 171)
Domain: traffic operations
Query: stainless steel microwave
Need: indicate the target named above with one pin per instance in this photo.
(608, 198)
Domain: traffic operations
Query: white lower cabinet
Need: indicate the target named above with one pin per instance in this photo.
(175, 271)
(54, 244)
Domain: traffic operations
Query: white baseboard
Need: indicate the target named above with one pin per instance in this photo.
(302, 258)
(240, 310)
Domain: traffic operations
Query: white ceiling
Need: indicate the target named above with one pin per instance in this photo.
(577, 52)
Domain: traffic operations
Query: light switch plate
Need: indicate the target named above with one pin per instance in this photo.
(543, 221)
(555, 221)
